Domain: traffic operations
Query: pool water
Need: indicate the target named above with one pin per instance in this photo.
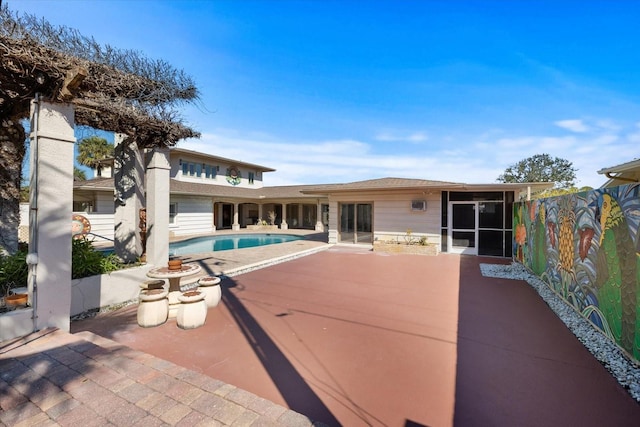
(226, 242)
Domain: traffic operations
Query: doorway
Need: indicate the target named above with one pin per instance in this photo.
(356, 223)
(463, 220)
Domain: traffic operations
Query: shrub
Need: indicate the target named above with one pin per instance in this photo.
(85, 261)
(13, 271)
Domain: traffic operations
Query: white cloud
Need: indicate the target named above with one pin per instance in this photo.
(413, 137)
(572, 125)
(461, 158)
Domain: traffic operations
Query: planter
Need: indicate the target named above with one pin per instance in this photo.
(401, 248)
(256, 227)
(153, 309)
(192, 312)
(175, 264)
(212, 290)
(16, 300)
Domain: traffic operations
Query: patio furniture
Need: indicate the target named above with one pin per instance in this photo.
(153, 309)
(185, 276)
(210, 286)
(192, 312)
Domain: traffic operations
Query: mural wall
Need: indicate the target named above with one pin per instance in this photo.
(586, 247)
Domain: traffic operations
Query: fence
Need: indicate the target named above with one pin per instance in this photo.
(586, 247)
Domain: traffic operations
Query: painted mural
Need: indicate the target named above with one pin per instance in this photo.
(586, 247)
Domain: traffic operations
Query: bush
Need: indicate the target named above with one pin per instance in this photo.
(13, 271)
(85, 261)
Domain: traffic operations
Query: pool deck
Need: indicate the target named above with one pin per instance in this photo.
(237, 261)
(342, 336)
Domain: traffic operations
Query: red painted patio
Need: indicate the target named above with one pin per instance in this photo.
(351, 337)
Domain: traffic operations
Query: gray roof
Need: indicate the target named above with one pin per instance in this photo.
(398, 184)
(191, 188)
(623, 167)
(313, 191)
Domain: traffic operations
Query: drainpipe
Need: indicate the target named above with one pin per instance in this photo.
(32, 256)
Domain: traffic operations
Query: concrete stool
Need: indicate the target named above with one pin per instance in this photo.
(153, 308)
(210, 286)
(192, 312)
(152, 284)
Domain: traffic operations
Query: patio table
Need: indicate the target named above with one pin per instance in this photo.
(184, 276)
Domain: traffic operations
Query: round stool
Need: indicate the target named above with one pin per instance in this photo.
(153, 308)
(210, 286)
(192, 312)
(152, 284)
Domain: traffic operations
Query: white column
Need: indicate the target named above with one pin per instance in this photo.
(236, 223)
(319, 224)
(214, 220)
(283, 224)
(158, 207)
(260, 212)
(51, 167)
(129, 198)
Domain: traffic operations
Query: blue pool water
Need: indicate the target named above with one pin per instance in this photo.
(226, 242)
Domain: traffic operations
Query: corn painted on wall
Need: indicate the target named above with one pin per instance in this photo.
(586, 247)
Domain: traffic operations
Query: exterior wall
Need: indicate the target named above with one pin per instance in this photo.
(222, 174)
(104, 202)
(195, 215)
(392, 215)
(94, 292)
(101, 226)
(585, 247)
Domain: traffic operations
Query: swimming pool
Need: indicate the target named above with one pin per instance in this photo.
(226, 242)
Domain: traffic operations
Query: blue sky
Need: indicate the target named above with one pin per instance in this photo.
(339, 91)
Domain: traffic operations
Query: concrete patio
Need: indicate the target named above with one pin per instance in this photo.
(350, 337)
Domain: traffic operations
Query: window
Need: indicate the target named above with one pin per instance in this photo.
(418, 205)
(173, 212)
(185, 168)
(251, 175)
(210, 171)
(83, 207)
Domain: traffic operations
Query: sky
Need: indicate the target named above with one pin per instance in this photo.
(339, 91)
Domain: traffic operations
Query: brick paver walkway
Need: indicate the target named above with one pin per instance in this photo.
(54, 378)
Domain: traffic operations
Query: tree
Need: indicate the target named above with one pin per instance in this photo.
(110, 89)
(78, 174)
(541, 168)
(91, 152)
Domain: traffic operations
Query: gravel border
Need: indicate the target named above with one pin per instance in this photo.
(623, 369)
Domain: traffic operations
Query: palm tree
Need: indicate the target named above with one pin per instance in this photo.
(92, 150)
(78, 174)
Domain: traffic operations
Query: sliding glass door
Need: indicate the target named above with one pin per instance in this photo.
(356, 223)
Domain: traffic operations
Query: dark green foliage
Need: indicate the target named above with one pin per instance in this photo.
(85, 261)
(541, 168)
(13, 271)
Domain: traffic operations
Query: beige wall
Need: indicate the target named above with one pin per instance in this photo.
(392, 214)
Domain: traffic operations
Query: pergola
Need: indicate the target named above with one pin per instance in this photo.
(60, 79)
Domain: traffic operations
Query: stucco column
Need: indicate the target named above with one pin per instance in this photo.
(283, 224)
(236, 224)
(319, 224)
(214, 220)
(260, 212)
(158, 206)
(51, 200)
(128, 198)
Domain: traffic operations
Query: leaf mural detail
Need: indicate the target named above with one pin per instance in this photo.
(551, 230)
(586, 235)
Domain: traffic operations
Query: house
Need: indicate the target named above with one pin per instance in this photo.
(210, 193)
(621, 174)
